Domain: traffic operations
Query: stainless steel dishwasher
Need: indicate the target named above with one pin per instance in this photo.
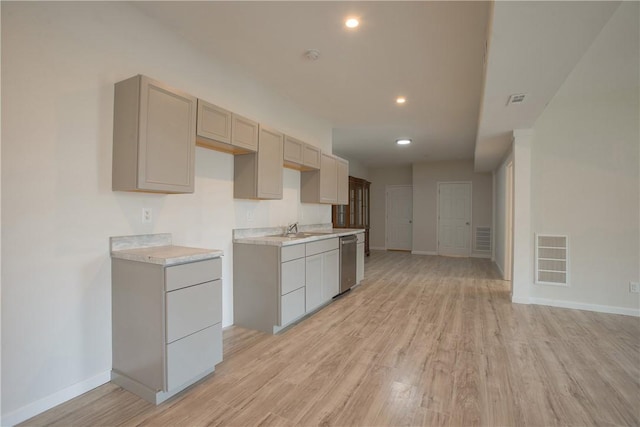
(348, 251)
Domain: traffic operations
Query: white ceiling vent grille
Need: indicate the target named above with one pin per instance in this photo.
(516, 98)
(552, 260)
(483, 239)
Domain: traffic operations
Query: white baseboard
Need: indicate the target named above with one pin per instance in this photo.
(520, 300)
(486, 256)
(587, 307)
(38, 407)
(377, 248)
(424, 253)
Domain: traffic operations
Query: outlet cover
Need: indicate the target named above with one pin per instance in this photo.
(634, 287)
(147, 215)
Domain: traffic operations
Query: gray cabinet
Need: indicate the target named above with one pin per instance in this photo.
(329, 185)
(360, 258)
(342, 181)
(299, 155)
(259, 175)
(268, 286)
(322, 274)
(222, 130)
(166, 325)
(154, 133)
(275, 286)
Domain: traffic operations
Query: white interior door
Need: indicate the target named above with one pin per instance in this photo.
(454, 218)
(399, 217)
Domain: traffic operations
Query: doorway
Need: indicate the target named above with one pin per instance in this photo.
(399, 217)
(454, 218)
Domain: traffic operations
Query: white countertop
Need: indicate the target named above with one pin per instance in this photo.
(286, 241)
(157, 249)
(167, 255)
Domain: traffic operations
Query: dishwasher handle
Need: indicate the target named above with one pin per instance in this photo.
(346, 240)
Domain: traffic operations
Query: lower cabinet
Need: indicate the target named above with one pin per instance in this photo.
(166, 325)
(275, 286)
(360, 258)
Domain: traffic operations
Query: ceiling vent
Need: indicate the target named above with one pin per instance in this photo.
(516, 98)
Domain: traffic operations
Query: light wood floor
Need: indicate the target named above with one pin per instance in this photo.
(423, 341)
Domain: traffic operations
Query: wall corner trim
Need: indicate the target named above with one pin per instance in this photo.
(586, 307)
(55, 399)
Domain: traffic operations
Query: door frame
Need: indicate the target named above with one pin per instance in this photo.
(438, 183)
(386, 212)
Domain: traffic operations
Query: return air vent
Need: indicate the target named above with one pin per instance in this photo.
(552, 260)
(516, 98)
(483, 239)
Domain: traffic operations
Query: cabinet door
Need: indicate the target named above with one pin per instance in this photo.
(214, 123)
(270, 152)
(328, 179)
(330, 274)
(293, 150)
(313, 280)
(244, 133)
(360, 262)
(167, 138)
(343, 181)
(311, 157)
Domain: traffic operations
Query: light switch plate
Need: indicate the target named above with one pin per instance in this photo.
(634, 287)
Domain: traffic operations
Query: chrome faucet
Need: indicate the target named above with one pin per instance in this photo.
(292, 227)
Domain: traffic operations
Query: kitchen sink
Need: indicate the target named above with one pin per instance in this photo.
(302, 234)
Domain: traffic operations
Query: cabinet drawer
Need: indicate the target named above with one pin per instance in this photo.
(292, 275)
(193, 355)
(183, 275)
(360, 237)
(292, 306)
(192, 309)
(322, 246)
(292, 252)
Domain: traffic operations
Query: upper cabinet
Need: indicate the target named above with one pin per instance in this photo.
(154, 133)
(223, 130)
(329, 185)
(343, 181)
(300, 155)
(259, 175)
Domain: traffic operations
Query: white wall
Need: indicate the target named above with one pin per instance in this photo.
(356, 168)
(585, 171)
(425, 196)
(59, 64)
(500, 214)
(380, 178)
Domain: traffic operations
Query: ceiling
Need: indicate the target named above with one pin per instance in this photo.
(431, 52)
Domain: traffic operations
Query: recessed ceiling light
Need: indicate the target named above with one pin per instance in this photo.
(401, 100)
(352, 23)
(403, 141)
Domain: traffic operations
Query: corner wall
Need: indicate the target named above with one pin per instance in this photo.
(585, 165)
(60, 61)
(425, 197)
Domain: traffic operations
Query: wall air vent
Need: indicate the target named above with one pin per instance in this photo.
(483, 239)
(552, 260)
(516, 98)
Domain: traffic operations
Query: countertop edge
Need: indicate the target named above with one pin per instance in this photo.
(264, 240)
